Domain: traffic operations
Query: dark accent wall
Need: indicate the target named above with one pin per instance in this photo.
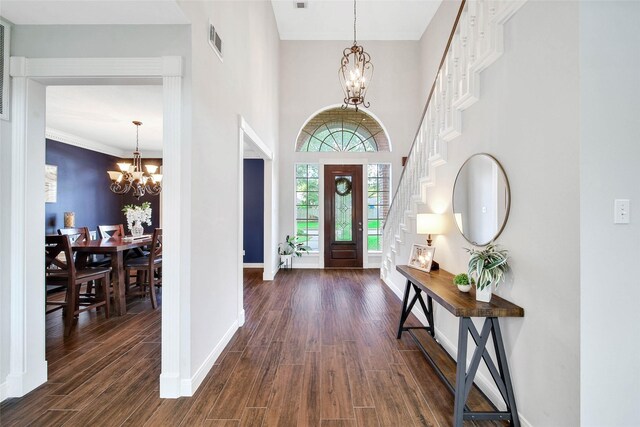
(83, 188)
(253, 211)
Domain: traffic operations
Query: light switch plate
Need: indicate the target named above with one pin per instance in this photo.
(622, 214)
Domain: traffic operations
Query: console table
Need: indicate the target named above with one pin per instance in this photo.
(438, 285)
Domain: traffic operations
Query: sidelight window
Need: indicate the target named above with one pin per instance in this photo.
(307, 204)
(378, 199)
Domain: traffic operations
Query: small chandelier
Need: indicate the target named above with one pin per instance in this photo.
(355, 71)
(132, 177)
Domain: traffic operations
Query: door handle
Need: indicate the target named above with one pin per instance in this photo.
(359, 223)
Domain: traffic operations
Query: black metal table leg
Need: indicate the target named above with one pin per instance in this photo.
(461, 372)
(407, 306)
(403, 316)
(503, 366)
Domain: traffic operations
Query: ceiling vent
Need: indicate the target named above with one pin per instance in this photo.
(300, 4)
(215, 41)
(4, 69)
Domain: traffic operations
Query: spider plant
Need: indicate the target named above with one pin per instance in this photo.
(488, 265)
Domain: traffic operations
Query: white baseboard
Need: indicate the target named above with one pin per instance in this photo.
(241, 318)
(3, 391)
(485, 384)
(21, 384)
(189, 386)
(269, 276)
(169, 386)
(253, 265)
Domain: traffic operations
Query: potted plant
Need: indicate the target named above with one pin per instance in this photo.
(290, 247)
(463, 282)
(488, 266)
(136, 216)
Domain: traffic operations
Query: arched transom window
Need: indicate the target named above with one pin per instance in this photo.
(347, 130)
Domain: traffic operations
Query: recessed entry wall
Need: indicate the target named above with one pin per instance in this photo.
(253, 219)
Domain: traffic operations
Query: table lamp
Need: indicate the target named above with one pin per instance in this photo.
(430, 224)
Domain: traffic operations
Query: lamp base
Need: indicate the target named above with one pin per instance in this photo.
(435, 265)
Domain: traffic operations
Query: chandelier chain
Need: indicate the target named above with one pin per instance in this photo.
(137, 133)
(354, 23)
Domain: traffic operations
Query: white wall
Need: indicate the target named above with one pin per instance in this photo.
(309, 82)
(527, 117)
(246, 83)
(609, 253)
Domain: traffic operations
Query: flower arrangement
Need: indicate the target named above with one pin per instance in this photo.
(137, 214)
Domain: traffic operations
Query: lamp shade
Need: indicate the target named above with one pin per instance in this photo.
(429, 224)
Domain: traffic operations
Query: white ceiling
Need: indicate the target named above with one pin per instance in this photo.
(333, 19)
(93, 12)
(102, 116)
(321, 20)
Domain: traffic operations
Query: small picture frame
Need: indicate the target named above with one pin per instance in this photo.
(421, 257)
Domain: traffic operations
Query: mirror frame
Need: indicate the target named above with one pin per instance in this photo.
(508, 210)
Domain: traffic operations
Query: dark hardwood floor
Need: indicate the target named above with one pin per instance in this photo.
(318, 349)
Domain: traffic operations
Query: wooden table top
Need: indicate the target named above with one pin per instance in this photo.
(439, 285)
(111, 244)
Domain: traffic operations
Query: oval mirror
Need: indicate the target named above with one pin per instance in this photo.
(481, 199)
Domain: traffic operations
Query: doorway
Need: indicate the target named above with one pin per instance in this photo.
(343, 216)
(28, 365)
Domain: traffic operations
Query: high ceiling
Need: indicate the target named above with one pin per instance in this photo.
(95, 12)
(320, 20)
(333, 19)
(103, 115)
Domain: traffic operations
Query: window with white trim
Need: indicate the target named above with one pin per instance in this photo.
(307, 182)
(378, 199)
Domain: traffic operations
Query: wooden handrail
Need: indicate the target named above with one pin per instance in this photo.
(424, 112)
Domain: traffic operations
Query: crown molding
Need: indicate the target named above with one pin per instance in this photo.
(88, 144)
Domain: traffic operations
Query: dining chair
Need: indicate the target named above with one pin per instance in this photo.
(148, 270)
(61, 271)
(106, 231)
(77, 234)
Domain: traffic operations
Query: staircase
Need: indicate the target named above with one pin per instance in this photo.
(476, 42)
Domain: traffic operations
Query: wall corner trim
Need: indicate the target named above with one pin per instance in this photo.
(172, 66)
(3, 391)
(17, 66)
(190, 385)
(169, 386)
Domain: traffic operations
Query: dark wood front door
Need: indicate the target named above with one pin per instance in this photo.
(343, 216)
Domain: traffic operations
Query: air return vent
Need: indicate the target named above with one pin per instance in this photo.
(300, 4)
(4, 69)
(215, 41)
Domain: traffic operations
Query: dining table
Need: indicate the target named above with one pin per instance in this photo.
(115, 247)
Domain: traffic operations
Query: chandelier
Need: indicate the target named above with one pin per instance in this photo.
(355, 71)
(132, 177)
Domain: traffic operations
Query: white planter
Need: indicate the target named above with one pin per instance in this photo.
(286, 261)
(484, 295)
(464, 288)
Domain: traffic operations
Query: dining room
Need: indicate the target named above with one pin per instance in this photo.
(103, 228)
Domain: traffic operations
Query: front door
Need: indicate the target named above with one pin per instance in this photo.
(343, 216)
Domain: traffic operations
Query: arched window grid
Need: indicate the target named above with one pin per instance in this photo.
(337, 130)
